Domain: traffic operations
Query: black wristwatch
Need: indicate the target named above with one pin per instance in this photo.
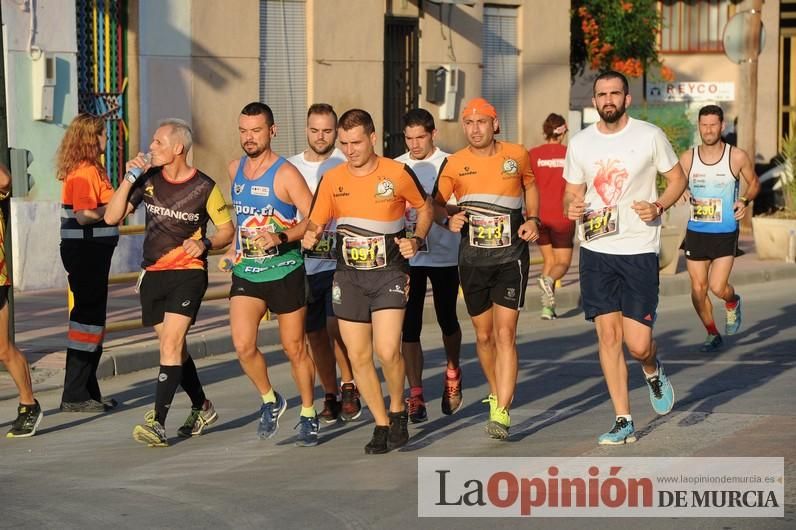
(282, 237)
(420, 241)
(207, 243)
(535, 220)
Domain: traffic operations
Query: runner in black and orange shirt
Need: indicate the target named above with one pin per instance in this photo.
(368, 196)
(492, 182)
(179, 201)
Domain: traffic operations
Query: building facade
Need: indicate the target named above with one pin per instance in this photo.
(203, 60)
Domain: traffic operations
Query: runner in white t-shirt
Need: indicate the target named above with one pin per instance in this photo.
(323, 334)
(611, 170)
(438, 262)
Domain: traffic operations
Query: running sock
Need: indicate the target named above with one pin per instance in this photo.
(347, 383)
(452, 373)
(627, 417)
(653, 374)
(270, 397)
(168, 381)
(733, 304)
(191, 384)
(308, 412)
(712, 329)
(415, 391)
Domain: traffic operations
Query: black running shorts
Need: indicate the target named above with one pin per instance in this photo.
(4, 295)
(171, 291)
(502, 284)
(623, 283)
(281, 296)
(700, 246)
(357, 294)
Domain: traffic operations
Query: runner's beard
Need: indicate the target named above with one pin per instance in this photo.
(614, 116)
(253, 152)
(324, 151)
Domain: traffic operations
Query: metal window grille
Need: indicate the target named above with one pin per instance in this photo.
(283, 70)
(690, 26)
(102, 73)
(499, 78)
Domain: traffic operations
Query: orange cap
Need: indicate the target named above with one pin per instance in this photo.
(479, 106)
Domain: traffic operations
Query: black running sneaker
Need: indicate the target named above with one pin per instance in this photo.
(378, 444)
(351, 407)
(331, 409)
(399, 430)
(28, 419)
(90, 405)
(417, 409)
(198, 420)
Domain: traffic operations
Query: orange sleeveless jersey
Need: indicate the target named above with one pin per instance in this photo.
(488, 186)
(369, 205)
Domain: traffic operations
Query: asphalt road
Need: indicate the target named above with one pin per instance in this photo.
(85, 471)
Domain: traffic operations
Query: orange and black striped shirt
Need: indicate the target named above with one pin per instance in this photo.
(370, 212)
(491, 190)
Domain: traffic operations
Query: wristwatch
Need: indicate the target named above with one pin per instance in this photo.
(420, 241)
(535, 220)
(282, 237)
(659, 208)
(744, 200)
(207, 243)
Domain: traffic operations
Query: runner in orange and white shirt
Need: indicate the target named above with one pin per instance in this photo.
(368, 197)
(492, 182)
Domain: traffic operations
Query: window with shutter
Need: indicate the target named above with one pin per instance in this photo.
(499, 82)
(283, 70)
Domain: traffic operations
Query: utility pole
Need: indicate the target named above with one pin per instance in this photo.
(747, 112)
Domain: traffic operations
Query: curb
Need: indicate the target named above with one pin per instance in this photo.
(128, 359)
(133, 358)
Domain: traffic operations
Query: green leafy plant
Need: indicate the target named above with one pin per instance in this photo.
(616, 34)
(788, 178)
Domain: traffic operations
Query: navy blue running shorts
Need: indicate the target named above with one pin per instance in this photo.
(624, 283)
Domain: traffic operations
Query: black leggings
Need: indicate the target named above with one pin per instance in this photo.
(445, 289)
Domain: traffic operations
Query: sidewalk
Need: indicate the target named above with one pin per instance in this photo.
(41, 320)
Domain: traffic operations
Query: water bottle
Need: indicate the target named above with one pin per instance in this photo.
(132, 175)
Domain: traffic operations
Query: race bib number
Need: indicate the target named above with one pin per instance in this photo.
(410, 233)
(250, 247)
(325, 248)
(365, 253)
(599, 223)
(706, 210)
(490, 232)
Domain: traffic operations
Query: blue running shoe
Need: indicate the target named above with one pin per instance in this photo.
(622, 433)
(661, 391)
(712, 344)
(308, 431)
(269, 417)
(733, 322)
